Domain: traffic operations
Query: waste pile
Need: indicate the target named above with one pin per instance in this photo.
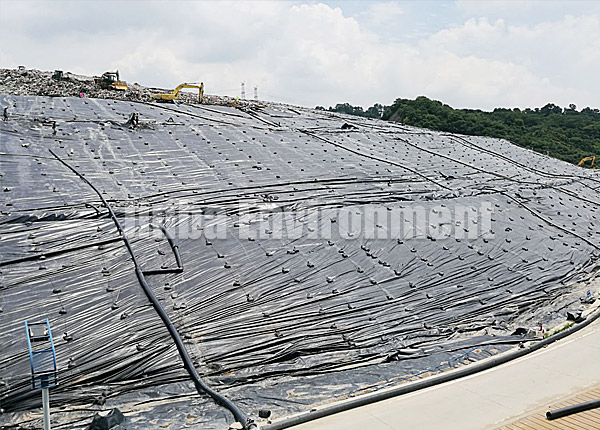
(31, 82)
(296, 256)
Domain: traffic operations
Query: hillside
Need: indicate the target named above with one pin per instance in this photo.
(301, 256)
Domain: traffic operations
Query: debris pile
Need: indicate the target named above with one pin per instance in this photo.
(32, 82)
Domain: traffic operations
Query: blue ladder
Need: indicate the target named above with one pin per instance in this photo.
(42, 355)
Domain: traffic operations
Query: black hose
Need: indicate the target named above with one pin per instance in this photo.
(175, 249)
(466, 142)
(573, 409)
(499, 175)
(372, 157)
(187, 362)
(193, 115)
(553, 224)
(59, 252)
(428, 382)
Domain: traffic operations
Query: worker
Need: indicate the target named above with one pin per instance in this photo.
(5, 114)
(134, 120)
(54, 128)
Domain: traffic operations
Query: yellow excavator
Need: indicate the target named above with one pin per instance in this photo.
(175, 94)
(583, 160)
(111, 81)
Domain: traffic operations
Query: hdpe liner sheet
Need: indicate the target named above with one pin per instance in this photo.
(319, 262)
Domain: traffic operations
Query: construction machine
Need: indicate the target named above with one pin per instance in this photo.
(175, 94)
(111, 81)
(583, 160)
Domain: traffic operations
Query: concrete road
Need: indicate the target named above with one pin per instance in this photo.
(487, 399)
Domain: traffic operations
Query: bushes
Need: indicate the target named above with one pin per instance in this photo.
(566, 134)
(562, 133)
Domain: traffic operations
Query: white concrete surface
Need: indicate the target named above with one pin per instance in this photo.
(487, 399)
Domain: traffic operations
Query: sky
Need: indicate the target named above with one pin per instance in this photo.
(465, 53)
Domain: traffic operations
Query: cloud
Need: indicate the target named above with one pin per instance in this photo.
(381, 14)
(555, 60)
(310, 53)
(526, 11)
(484, 8)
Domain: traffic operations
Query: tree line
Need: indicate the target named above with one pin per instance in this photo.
(563, 133)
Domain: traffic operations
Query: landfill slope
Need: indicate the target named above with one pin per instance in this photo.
(282, 303)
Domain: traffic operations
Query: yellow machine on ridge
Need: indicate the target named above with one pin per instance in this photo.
(583, 160)
(175, 94)
(111, 81)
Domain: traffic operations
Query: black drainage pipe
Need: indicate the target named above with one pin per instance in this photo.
(175, 249)
(201, 387)
(428, 382)
(573, 409)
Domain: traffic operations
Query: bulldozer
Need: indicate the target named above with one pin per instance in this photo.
(111, 81)
(175, 94)
(583, 160)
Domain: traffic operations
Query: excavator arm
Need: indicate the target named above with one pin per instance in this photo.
(175, 94)
(583, 160)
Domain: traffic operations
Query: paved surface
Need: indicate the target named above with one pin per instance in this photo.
(489, 399)
(581, 421)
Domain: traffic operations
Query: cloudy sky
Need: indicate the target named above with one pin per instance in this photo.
(466, 53)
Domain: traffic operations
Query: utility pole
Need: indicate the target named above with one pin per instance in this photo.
(46, 407)
(243, 90)
(255, 93)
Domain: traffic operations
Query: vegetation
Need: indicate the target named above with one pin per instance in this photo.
(564, 133)
(558, 330)
(375, 111)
